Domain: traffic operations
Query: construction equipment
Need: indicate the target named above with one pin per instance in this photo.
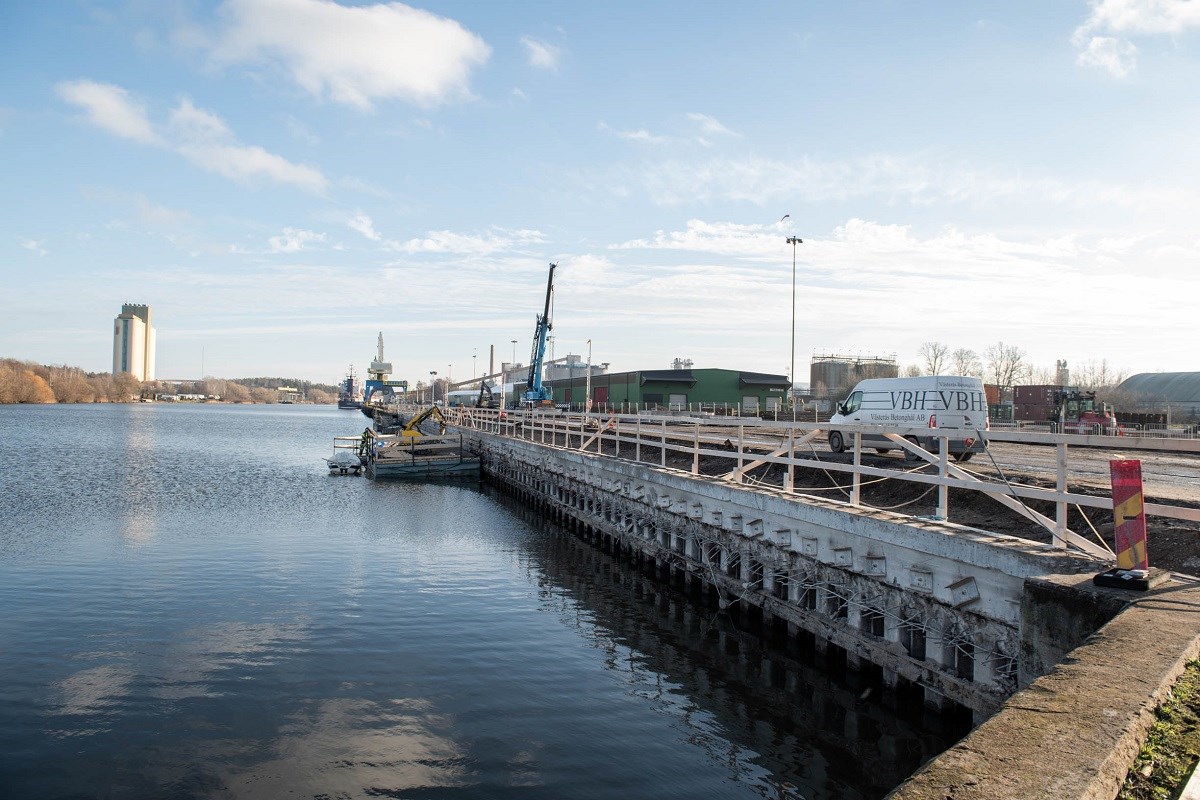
(535, 393)
(1078, 412)
(487, 396)
(413, 429)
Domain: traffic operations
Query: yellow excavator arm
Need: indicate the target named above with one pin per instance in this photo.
(413, 429)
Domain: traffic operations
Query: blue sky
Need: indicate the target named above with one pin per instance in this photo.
(282, 179)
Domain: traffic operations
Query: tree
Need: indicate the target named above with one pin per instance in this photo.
(1094, 376)
(912, 371)
(1005, 364)
(934, 357)
(261, 394)
(965, 361)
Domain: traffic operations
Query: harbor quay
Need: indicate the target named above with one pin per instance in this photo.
(1061, 677)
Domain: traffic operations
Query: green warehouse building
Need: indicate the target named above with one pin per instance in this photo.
(750, 392)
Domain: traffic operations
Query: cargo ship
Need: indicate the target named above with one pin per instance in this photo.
(350, 394)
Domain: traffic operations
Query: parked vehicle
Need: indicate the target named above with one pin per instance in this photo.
(1080, 412)
(938, 403)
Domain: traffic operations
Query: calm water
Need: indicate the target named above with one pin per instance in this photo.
(191, 607)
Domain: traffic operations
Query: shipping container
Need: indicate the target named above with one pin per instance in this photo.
(1038, 394)
(993, 393)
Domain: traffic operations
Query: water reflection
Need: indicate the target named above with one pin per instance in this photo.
(380, 748)
(137, 485)
(769, 718)
(193, 608)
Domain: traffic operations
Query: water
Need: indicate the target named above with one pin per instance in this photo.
(191, 607)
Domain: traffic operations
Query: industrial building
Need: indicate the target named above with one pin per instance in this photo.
(133, 342)
(750, 392)
(832, 375)
(1176, 392)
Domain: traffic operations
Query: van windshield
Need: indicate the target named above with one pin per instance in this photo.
(852, 403)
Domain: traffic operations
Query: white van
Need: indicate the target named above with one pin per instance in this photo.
(936, 402)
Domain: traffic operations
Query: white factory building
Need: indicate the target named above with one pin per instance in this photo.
(133, 342)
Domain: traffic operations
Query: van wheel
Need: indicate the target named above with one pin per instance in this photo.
(908, 454)
(963, 456)
(836, 443)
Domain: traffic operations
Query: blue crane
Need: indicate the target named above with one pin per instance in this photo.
(535, 392)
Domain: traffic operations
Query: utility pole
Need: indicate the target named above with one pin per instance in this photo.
(793, 241)
(587, 392)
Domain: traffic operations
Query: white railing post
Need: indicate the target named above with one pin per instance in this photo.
(856, 481)
(696, 451)
(637, 447)
(741, 453)
(663, 450)
(943, 509)
(1060, 484)
(790, 485)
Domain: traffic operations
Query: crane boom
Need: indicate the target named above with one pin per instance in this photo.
(535, 392)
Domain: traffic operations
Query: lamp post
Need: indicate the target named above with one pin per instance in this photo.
(511, 370)
(432, 386)
(473, 354)
(587, 392)
(793, 241)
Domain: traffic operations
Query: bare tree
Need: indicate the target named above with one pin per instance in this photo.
(935, 357)
(1005, 364)
(912, 371)
(1097, 375)
(965, 361)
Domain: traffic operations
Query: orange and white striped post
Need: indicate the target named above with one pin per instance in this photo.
(1129, 514)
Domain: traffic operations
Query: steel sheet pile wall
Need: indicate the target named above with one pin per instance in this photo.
(935, 605)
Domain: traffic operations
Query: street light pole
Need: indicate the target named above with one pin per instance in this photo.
(511, 367)
(587, 392)
(432, 386)
(793, 241)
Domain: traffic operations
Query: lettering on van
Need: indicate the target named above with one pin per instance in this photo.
(938, 400)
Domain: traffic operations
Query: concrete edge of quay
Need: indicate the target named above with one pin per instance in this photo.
(1100, 661)
(1074, 732)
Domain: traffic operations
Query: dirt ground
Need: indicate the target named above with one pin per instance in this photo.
(1173, 544)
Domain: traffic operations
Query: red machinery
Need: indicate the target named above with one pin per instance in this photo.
(1078, 412)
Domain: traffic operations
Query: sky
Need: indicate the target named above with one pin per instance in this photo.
(281, 180)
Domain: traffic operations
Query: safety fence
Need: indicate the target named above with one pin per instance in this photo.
(747, 445)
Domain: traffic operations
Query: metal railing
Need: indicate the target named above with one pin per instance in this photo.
(747, 445)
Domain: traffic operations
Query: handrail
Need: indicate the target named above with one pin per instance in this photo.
(752, 443)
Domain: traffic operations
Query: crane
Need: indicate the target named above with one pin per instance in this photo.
(535, 393)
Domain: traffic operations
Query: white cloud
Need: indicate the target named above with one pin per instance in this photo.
(914, 179)
(1143, 16)
(110, 108)
(197, 124)
(710, 125)
(639, 135)
(198, 135)
(354, 55)
(446, 242)
(1115, 56)
(245, 163)
(1129, 17)
(542, 55)
(34, 246)
(293, 240)
(362, 223)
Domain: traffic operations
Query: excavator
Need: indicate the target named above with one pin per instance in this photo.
(487, 396)
(413, 429)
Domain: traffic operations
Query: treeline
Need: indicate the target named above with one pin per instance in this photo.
(27, 382)
(302, 385)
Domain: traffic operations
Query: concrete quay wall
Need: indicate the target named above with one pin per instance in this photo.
(940, 606)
